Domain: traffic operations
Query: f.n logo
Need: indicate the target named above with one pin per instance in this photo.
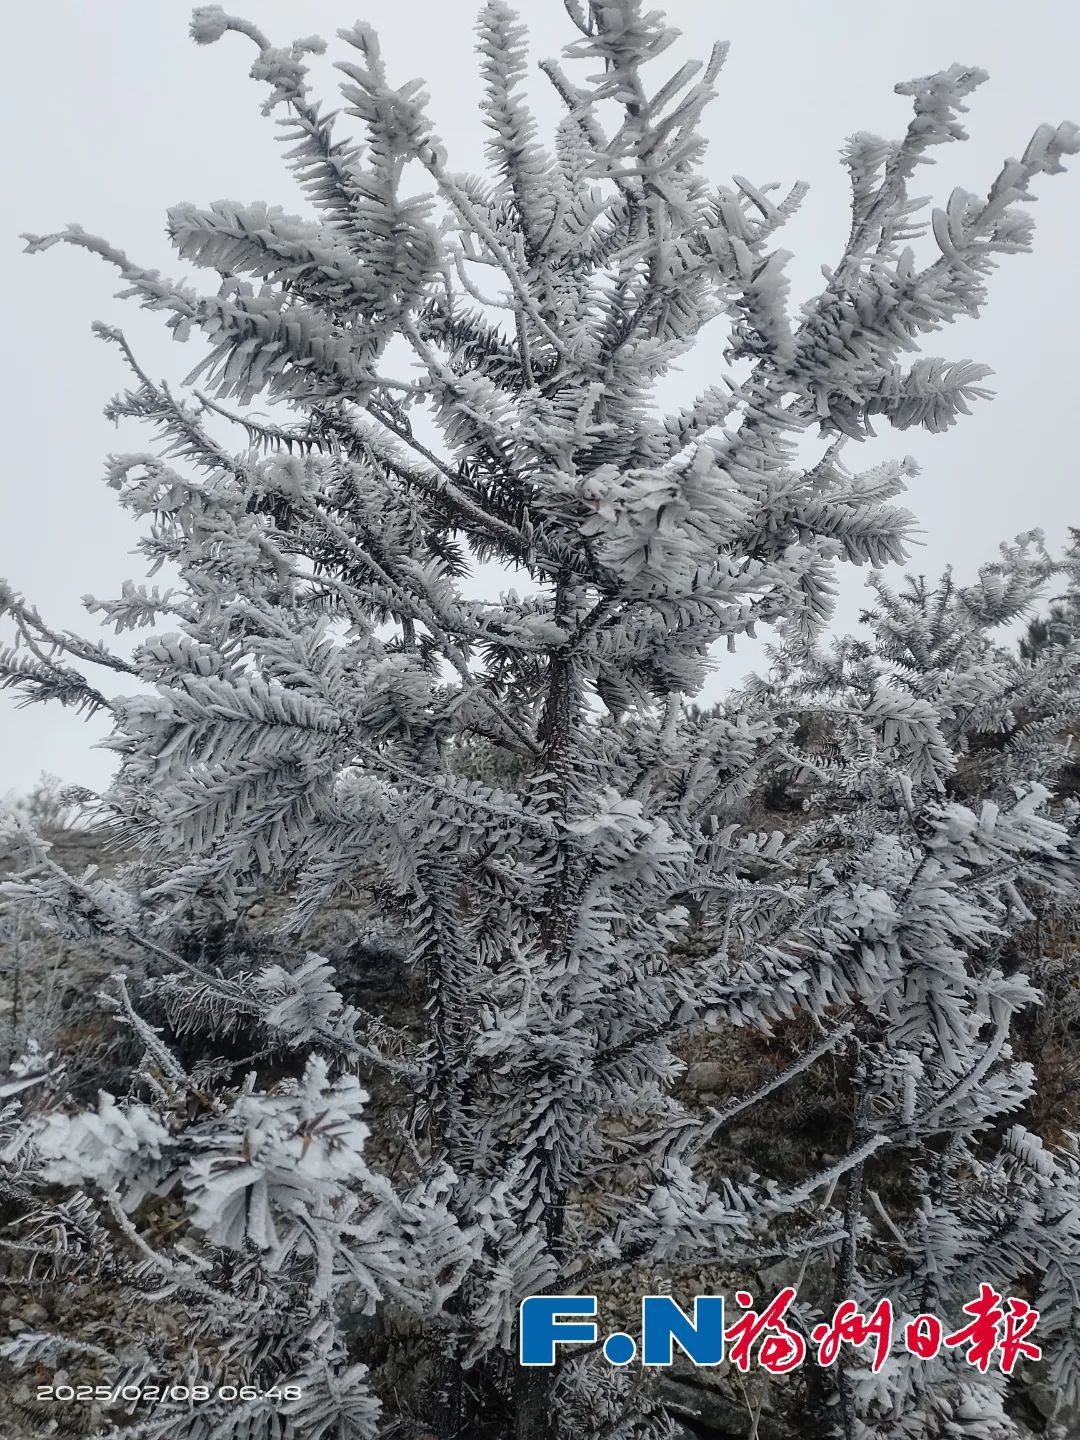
(545, 1321)
(665, 1324)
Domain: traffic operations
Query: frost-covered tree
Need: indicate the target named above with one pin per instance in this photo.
(470, 373)
(1061, 624)
(934, 750)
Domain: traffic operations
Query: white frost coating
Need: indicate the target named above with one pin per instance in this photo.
(579, 867)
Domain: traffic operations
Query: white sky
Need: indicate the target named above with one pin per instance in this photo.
(112, 114)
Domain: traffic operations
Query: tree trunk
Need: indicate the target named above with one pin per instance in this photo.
(534, 1404)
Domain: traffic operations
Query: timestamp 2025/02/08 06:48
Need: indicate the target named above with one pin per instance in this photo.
(174, 1393)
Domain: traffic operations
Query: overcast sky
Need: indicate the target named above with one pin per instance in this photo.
(113, 114)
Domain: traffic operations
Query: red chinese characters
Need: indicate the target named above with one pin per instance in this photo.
(996, 1331)
(850, 1326)
(923, 1336)
(781, 1348)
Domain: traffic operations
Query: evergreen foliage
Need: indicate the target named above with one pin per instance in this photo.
(559, 839)
(1061, 624)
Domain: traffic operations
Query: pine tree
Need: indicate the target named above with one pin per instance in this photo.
(316, 678)
(941, 749)
(1061, 624)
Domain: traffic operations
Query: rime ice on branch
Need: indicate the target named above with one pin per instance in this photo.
(464, 368)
